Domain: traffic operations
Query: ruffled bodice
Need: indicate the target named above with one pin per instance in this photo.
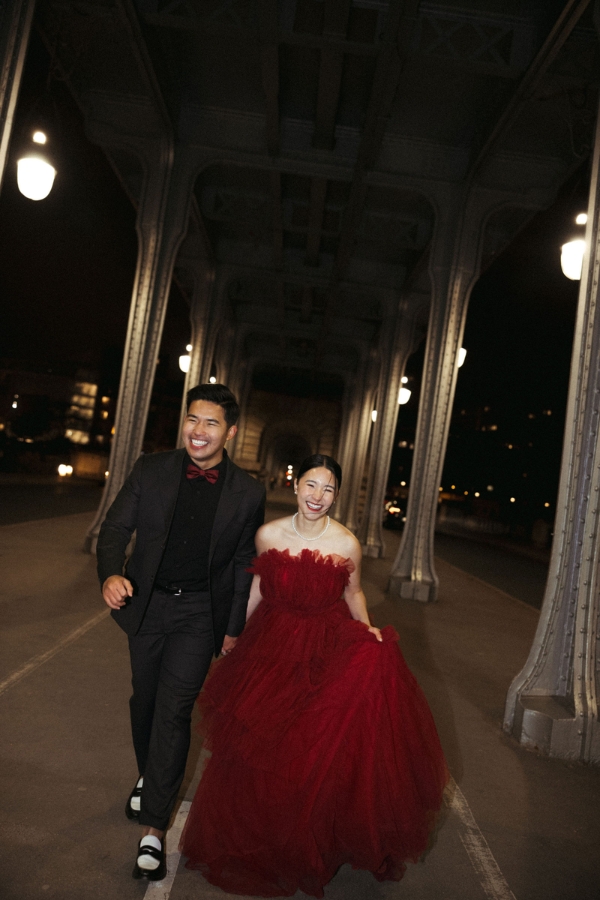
(305, 583)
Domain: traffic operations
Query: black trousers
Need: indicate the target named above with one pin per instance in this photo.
(170, 656)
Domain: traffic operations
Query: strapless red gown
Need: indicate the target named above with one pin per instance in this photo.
(324, 750)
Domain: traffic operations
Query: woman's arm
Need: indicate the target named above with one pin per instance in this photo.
(255, 596)
(354, 594)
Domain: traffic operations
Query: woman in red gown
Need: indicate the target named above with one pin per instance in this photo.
(324, 750)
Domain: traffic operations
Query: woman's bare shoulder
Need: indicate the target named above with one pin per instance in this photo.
(268, 533)
(346, 542)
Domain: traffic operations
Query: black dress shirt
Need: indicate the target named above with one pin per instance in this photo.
(185, 560)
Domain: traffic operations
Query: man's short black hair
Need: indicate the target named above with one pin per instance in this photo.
(219, 394)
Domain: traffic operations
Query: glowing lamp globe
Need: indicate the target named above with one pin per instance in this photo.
(404, 396)
(184, 362)
(571, 259)
(35, 177)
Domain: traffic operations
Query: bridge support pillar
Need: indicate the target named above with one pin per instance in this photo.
(399, 346)
(161, 224)
(453, 266)
(15, 28)
(552, 704)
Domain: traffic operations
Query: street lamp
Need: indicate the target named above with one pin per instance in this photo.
(571, 253)
(35, 175)
(571, 259)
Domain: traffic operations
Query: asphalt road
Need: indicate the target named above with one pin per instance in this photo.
(516, 575)
(28, 502)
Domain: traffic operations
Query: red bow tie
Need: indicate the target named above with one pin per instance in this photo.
(193, 471)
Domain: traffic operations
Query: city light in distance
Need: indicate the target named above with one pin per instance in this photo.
(476, 494)
(106, 474)
(65, 470)
(39, 137)
(402, 484)
(581, 219)
(212, 379)
(188, 347)
(452, 487)
(490, 487)
(466, 493)
(512, 499)
(546, 505)
(404, 379)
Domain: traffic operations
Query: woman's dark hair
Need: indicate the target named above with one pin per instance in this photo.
(219, 394)
(318, 460)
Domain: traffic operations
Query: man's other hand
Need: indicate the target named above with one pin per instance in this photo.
(115, 589)
(228, 644)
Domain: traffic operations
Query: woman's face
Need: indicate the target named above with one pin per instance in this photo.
(317, 490)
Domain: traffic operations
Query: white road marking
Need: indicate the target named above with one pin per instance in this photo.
(160, 890)
(38, 661)
(492, 880)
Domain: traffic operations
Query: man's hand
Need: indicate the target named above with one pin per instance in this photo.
(115, 589)
(228, 644)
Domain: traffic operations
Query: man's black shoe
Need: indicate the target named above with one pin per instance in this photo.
(132, 808)
(151, 863)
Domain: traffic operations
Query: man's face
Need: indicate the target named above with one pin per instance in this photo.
(205, 433)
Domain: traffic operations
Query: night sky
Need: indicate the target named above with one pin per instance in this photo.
(67, 263)
(67, 266)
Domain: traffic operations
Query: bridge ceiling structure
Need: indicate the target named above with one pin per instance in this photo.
(323, 136)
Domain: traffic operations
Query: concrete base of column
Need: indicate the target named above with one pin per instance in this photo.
(374, 550)
(549, 726)
(90, 543)
(409, 589)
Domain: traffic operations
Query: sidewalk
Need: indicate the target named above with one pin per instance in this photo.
(518, 826)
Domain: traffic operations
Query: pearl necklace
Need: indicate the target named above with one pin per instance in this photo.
(295, 516)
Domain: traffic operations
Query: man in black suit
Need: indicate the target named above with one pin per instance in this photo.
(181, 598)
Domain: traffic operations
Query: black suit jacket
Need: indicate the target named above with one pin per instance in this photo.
(146, 504)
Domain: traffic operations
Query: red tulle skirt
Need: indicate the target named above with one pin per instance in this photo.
(324, 752)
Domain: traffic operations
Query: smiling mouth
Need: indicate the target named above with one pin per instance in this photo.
(198, 444)
(314, 506)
